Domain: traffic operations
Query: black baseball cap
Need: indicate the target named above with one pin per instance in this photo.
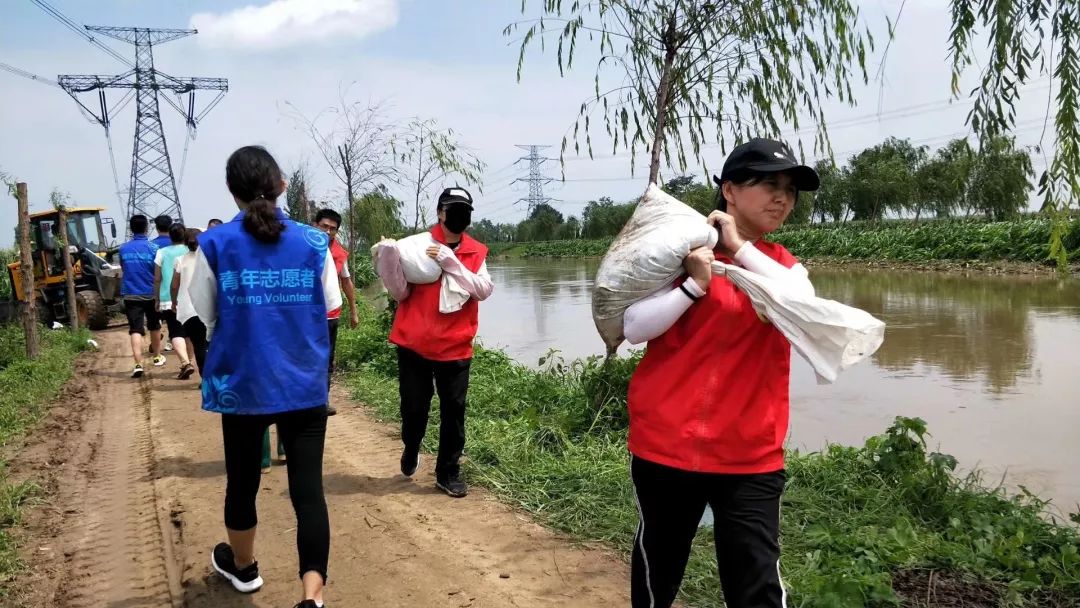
(761, 155)
(455, 195)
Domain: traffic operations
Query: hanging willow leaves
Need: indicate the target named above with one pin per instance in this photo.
(427, 156)
(679, 72)
(1017, 40)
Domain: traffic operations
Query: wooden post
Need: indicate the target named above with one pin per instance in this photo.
(26, 265)
(69, 274)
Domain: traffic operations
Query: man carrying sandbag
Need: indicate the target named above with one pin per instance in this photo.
(435, 347)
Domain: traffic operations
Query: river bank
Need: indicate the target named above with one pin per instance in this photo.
(955, 245)
(873, 525)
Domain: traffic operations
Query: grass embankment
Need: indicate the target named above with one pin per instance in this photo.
(866, 526)
(1024, 241)
(26, 387)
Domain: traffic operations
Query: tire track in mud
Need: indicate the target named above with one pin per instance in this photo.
(120, 550)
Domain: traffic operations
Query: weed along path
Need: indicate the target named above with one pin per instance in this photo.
(133, 483)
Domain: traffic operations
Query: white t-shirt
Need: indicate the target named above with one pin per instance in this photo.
(185, 265)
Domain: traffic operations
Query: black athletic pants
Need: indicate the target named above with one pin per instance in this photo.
(195, 330)
(304, 433)
(418, 380)
(746, 509)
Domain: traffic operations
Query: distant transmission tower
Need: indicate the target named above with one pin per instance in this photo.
(153, 187)
(535, 180)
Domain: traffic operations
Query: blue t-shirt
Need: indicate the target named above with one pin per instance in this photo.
(271, 345)
(137, 260)
(168, 261)
(162, 241)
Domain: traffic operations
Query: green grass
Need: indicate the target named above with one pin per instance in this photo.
(26, 387)
(857, 520)
(1024, 240)
(7, 256)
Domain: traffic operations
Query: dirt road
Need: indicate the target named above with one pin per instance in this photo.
(133, 480)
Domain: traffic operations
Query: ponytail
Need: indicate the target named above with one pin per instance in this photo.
(255, 178)
(261, 221)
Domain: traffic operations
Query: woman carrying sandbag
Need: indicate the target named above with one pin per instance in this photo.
(709, 401)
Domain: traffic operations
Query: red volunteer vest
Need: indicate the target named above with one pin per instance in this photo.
(340, 256)
(711, 393)
(421, 328)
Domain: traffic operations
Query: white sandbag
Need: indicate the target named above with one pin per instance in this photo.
(418, 267)
(831, 336)
(645, 257)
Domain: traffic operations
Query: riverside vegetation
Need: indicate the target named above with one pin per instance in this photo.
(883, 524)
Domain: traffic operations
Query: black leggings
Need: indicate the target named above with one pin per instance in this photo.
(195, 331)
(303, 432)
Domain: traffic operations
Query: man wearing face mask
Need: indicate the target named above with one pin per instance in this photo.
(435, 348)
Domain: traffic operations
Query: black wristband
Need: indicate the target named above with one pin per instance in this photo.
(687, 292)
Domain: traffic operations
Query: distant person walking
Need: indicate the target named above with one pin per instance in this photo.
(263, 284)
(194, 330)
(137, 292)
(164, 267)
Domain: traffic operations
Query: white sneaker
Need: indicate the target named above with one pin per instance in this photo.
(168, 347)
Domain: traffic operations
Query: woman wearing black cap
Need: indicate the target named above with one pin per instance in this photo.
(709, 401)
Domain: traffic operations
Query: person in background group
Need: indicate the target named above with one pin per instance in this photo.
(213, 223)
(329, 221)
(164, 266)
(709, 401)
(435, 348)
(193, 328)
(259, 271)
(162, 223)
(137, 292)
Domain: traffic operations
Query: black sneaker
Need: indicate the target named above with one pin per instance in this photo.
(410, 461)
(224, 562)
(452, 485)
(308, 604)
(330, 411)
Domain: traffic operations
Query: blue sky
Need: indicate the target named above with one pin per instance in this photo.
(429, 58)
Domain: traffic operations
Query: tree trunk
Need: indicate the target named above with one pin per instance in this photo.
(69, 273)
(26, 266)
(419, 183)
(663, 92)
(346, 168)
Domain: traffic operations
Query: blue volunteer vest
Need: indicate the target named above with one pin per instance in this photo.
(137, 260)
(271, 347)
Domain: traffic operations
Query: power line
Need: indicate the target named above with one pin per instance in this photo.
(80, 31)
(31, 76)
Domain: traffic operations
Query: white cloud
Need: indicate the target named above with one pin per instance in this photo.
(283, 23)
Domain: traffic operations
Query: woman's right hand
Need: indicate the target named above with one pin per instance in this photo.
(698, 264)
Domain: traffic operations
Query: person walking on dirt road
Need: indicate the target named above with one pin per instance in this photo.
(164, 266)
(329, 221)
(137, 292)
(435, 348)
(193, 327)
(709, 401)
(259, 271)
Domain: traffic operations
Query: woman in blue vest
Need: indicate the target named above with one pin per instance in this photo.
(253, 276)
